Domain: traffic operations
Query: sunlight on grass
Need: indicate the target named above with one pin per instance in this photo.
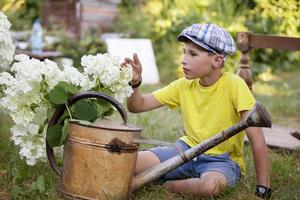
(280, 94)
(268, 76)
(269, 84)
(265, 89)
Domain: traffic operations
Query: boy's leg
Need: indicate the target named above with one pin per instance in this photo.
(145, 160)
(209, 184)
(153, 156)
(214, 174)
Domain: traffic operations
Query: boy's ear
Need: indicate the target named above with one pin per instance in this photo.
(218, 61)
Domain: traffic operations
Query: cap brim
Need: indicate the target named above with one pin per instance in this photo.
(184, 38)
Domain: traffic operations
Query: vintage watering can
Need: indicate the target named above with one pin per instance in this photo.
(99, 159)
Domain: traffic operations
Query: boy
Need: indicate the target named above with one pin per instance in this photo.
(210, 101)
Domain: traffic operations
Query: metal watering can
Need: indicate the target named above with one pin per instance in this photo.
(99, 159)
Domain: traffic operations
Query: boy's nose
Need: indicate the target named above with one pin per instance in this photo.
(183, 62)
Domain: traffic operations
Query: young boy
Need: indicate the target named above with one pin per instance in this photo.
(210, 101)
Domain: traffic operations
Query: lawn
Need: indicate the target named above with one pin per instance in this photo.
(280, 94)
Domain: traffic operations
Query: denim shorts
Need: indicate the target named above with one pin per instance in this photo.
(202, 163)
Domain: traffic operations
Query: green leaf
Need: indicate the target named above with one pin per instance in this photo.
(64, 131)
(103, 106)
(54, 135)
(61, 92)
(68, 88)
(108, 112)
(103, 102)
(63, 117)
(17, 192)
(83, 122)
(50, 113)
(58, 96)
(39, 184)
(84, 110)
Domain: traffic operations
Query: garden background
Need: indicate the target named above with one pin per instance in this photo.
(276, 82)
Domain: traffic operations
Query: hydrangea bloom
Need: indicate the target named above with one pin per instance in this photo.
(25, 94)
(7, 49)
(105, 69)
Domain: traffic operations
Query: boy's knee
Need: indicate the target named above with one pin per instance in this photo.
(214, 183)
(213, 187)
(145, 160)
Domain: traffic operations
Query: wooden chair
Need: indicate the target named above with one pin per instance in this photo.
(278, 136)
(247, 41)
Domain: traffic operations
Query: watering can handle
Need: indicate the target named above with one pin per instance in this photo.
(72, 100)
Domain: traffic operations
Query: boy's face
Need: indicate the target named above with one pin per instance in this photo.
(197, 62)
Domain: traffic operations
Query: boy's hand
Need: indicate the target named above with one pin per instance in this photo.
(136, 68)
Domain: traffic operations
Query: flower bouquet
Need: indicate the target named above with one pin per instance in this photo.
(32, 90)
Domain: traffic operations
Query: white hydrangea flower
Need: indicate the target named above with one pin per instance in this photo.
(7, 48)
(24, 94)
(106, 69)
(73, 76)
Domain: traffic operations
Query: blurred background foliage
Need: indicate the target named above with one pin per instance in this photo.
(163, 20)
(73, 48)
(21, 13)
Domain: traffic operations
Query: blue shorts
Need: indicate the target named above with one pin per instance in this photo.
(200, 164)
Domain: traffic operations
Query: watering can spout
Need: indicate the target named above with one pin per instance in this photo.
(257, 117)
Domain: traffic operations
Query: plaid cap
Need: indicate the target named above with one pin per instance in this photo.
(210, 37)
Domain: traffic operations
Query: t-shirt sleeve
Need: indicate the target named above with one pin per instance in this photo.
(169, 95)
(242, 97)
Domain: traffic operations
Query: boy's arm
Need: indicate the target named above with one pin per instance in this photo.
(260, 153)
(138, 102)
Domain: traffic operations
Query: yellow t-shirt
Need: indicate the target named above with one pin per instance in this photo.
(207, 111)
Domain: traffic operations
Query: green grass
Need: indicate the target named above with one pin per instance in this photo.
(280, 94)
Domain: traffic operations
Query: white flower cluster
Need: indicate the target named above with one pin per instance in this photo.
(105, 68)
(25, 94)
(7, 48)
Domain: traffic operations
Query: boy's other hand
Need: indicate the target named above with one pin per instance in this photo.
(136, 68)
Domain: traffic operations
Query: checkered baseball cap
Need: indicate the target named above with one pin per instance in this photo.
(210, 37)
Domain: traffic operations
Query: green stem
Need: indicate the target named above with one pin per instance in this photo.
(69, 111)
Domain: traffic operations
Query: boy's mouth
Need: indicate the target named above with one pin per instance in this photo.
(186, 70)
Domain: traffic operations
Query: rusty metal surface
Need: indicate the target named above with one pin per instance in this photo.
(72, 100)
(98, 163)
(115, 145)
(109, 125)
(90, 170)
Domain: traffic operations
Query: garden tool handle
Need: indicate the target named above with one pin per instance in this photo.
(72, 100)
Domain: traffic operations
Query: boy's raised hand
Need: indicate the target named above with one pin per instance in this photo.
(136, 68)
